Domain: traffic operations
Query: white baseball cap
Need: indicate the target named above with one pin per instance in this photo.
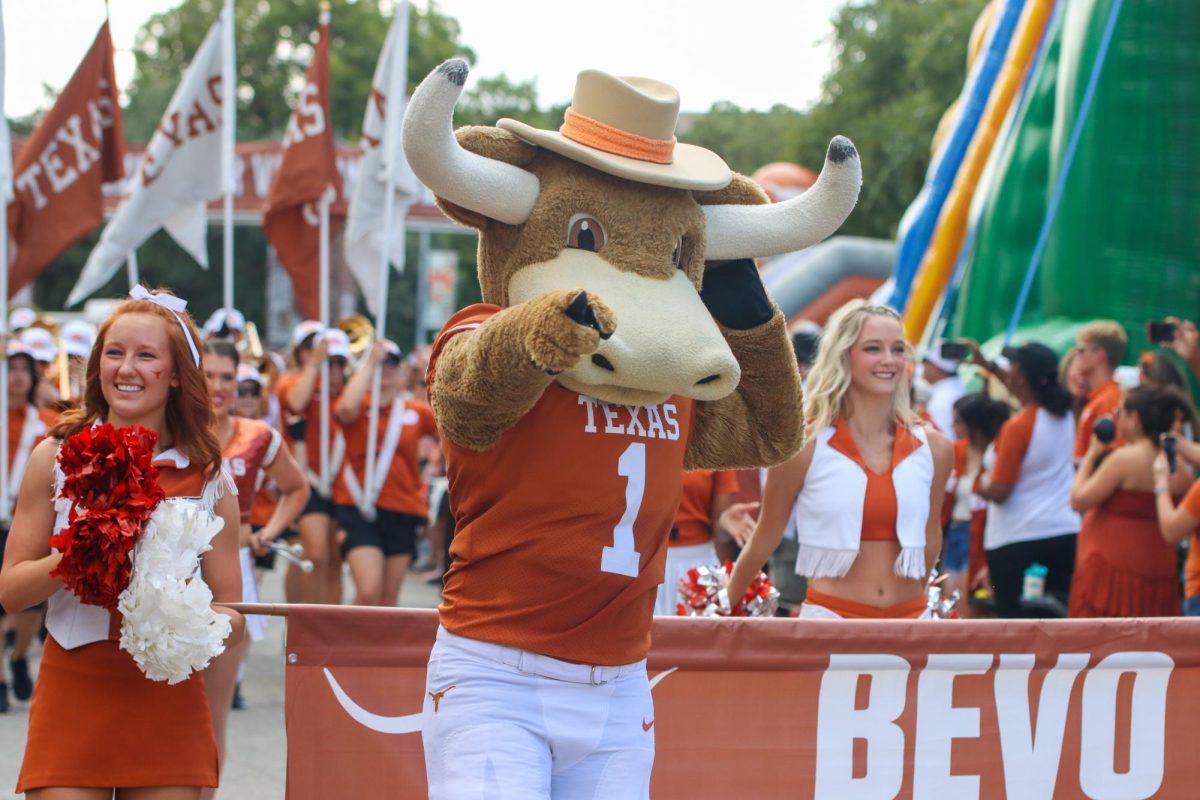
(234, 321)
(17, 348)
(245, 372)
(77, 337)
(20, 318)
(339, 343)
(40, 343)
(304, 330)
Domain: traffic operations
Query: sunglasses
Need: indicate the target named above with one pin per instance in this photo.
(249, 389)
(338, 362)
(391, 360)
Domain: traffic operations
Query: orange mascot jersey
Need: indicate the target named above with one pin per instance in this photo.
(252, 448)
(562, 526)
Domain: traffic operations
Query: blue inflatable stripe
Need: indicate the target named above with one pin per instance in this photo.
(914, 240)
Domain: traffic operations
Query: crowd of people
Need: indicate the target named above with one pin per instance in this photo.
(1035, 487)
(1069, 491)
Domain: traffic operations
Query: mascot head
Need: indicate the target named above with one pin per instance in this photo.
(612, 204)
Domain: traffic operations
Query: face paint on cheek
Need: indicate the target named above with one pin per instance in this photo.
(157, 374)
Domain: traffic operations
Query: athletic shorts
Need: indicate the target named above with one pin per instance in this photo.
(392, 532)
(317, 505)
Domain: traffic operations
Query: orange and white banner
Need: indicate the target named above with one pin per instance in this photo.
(76, 148)
(307, 174)
(804, 708)
(179, 172)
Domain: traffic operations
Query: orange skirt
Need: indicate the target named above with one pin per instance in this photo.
(848, 609)
(96, 721)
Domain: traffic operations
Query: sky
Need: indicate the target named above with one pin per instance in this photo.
(755, 53)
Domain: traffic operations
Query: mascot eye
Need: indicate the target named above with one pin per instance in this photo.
(677, 255)
(585, 233)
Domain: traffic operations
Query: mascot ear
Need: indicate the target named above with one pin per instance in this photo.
(741, 191)
(489, 142)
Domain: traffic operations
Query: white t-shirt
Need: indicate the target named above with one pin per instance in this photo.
(1034, 453)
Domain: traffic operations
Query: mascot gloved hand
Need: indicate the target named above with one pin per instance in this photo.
(624, 336)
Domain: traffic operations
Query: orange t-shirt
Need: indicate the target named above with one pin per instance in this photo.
(1100, 403)
(403, 489)
(16, 428)
(693, 521)
(251, 449)
(1012, 442)
(563, 524)
(1191, 502)
(313, 417)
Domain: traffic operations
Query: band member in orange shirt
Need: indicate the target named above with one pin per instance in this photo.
(381, 522)
(300, 393)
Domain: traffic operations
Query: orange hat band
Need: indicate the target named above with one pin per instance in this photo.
(593, 133)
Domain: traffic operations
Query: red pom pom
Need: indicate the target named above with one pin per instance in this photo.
(109, 475)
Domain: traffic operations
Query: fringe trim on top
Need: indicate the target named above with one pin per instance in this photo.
(911, 563)
(823, 562)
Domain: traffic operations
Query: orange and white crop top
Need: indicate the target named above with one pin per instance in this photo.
(844, 503)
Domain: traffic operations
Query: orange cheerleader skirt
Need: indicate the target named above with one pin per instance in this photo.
(96, 721)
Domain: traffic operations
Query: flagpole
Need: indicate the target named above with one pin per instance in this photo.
(229, 138)
(323, 207)
(393, 102)
(131, 269)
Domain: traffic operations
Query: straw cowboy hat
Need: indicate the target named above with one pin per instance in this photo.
(626, 127)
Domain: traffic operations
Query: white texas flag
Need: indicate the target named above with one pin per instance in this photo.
(383, 163)
(179, 172)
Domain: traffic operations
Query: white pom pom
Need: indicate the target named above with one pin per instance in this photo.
(168, 623)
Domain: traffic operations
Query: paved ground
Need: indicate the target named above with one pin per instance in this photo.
(257, 745)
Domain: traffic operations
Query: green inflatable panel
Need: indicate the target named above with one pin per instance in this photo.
(1125, 243)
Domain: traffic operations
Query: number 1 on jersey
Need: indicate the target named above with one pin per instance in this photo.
(622, 558)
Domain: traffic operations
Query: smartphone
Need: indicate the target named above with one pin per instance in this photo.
(1105, 430)
(955, 351)
(1168, 446)
(1160, 331)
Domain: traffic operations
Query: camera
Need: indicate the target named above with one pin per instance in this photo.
(1168, 446)
(955, 351)
(1160, 331)
(1105, 430)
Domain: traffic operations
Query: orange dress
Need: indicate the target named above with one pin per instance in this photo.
(95, 721)
(1123, 567)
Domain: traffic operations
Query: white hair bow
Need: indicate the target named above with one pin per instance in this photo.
(172, 304)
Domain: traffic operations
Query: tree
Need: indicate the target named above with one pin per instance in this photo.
(898, 65)
(274, 45)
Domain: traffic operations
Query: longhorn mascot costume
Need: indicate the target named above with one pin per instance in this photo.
(624, 337)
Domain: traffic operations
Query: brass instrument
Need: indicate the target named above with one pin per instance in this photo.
(359, 330)
(250, 345)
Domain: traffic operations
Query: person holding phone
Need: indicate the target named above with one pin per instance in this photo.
(1027, 482)
(1177, 521)
(1123, 566)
